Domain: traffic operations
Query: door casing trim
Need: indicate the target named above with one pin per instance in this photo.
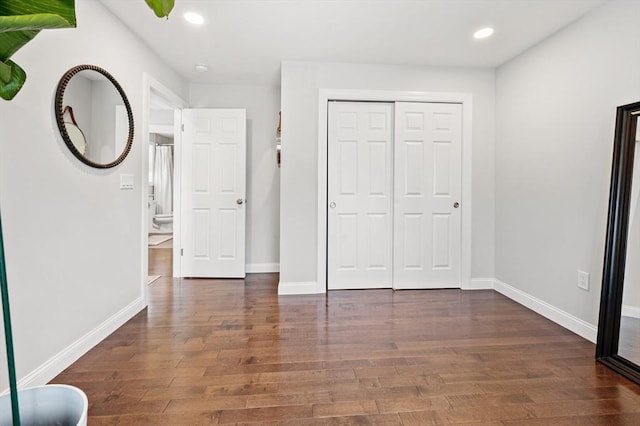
(465, 99)
(149, 83)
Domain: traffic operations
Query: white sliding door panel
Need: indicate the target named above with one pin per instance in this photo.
(213, 193)
(427, 186)
(359, 211)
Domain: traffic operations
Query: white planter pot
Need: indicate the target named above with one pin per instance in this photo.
(60, 405)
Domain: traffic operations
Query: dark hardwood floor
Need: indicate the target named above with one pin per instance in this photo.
(232, 351)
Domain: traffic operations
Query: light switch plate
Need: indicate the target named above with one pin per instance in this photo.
(126, 181)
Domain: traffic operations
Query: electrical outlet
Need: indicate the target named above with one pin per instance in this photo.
(583, 280)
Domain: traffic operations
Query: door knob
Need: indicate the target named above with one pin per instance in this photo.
(239, 201)
(332, 205)
(456, 205)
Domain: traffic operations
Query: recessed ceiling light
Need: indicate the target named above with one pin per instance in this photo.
(194, 18)
(201, 68)
(483, 33)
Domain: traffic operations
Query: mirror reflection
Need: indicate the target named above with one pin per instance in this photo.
(629, 338)
(94, 116)
(75, 134)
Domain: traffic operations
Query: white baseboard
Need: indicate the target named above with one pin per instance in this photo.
(480, 284)
(261, 268)
(63, 359)
(309, 287)
(630, 311)
(560, 317)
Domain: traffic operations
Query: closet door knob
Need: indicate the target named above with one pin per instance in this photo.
(239, 201)
(332, 205)
(456, 205)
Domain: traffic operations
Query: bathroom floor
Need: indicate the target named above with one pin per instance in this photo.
(164, 244)
(157, 239)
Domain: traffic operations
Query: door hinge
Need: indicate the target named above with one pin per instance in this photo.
(181, 252)
(182, 127)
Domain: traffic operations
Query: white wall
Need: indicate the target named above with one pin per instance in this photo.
(161, 117)
(299, 186)
(555, 123)
(263, 175)
(73, 239)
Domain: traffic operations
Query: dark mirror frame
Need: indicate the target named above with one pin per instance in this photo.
(59, 111)
(616, 244)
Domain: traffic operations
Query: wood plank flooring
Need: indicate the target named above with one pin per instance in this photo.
(233, 352)
(161, 259)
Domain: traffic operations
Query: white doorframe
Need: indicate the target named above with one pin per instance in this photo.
(149, 83)
(324, 96)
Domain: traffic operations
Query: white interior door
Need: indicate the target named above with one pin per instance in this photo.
(213, 193)
(359, 211)
(428, 189)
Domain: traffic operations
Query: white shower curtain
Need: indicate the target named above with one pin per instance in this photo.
(163, 179)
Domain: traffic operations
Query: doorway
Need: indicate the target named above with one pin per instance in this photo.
(161, 119)
(160, 187)
(465, 102)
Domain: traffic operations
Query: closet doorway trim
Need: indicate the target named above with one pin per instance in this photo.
(465, 99)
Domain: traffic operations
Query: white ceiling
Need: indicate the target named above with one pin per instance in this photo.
(244, 41)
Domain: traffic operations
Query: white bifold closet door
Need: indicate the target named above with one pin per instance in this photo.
(359, 237)
(393, 194)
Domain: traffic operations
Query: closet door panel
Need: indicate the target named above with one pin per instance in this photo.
(428, 189)
(359, 195)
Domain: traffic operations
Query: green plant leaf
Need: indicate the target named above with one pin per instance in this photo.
(64, 8)
(5, 72)
(10, 42)
(37, 21)
(161, 8)
(9, 89)
(21, 21)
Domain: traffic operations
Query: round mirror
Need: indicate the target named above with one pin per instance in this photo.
(94, 116)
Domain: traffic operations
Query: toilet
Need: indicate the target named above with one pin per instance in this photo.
(163, 222)
(159, 223)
